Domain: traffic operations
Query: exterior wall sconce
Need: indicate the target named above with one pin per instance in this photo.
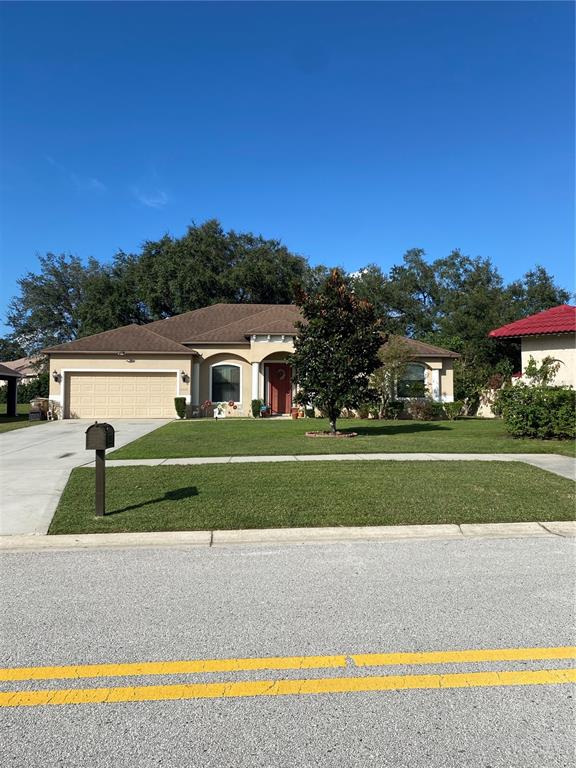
(55, 375)
(184, 376)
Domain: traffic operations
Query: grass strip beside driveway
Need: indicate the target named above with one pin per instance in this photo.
(8, 423)
(237, 496)
(261, 437)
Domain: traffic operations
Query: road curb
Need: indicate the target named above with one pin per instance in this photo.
(31, 543)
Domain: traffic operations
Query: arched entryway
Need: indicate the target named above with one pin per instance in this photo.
(278, 386)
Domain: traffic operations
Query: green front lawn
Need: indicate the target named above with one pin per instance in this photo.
(8, 423)
(260, 437)
(173, 498)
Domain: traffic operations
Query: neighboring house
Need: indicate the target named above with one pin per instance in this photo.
(27, 367)
(223, 353)
(551, 333)
(431, 372)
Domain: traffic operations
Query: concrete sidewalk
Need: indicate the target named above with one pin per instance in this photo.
(35, 464)
(565, 529)
(564, 466)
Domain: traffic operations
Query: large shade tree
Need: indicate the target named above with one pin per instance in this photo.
(336, 349)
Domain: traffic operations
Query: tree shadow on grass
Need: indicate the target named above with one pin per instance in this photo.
(11, 419)
(177, 495)
(401, 428)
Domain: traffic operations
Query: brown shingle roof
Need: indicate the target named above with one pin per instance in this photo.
(25, 366)
(226, 322)
(129, 338)
(422, 349)
(8, 373)
(218, 324)
(275, 318)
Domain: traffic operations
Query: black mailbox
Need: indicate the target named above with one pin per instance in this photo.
(99, 437)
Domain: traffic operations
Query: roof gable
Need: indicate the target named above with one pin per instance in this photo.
(275, 318)
(129, 338)
(560, 319)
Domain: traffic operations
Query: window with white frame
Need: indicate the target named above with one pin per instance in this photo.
(413, 382)
(225, 383)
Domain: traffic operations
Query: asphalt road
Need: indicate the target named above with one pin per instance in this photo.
(121, 606)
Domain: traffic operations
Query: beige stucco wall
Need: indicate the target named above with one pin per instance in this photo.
(560, 347)
(196, 385)
(442, 370)
(447, 380)
(244, 356)
(63, 364)
(223, 358)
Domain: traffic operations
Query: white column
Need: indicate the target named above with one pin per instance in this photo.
(255, 381)
(436, 385)
(195, 395)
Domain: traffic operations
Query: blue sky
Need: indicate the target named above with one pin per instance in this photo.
(351, 131)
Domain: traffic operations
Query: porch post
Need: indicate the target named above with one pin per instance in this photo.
(11, 397)
(255, 381)
(195, 393)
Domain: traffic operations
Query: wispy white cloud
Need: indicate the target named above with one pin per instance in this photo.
(151, 199)
(88, 184)
(81, 183)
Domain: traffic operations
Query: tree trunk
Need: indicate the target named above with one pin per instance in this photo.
(332, 416)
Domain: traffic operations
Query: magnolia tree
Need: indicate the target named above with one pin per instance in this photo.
(336, 349)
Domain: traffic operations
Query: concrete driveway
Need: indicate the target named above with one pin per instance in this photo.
(35, 464)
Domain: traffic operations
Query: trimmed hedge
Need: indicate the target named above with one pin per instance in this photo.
(255, 406)
(543, 412)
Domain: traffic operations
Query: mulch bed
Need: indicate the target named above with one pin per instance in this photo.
(331, 434)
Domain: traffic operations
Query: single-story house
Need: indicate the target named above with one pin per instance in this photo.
(10, 379)
(230, 353)
(27, 367)
(551, 333)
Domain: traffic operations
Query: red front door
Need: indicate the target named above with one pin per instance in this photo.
(279, 387)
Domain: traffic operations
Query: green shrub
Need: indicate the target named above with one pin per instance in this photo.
(38, 387)
(363, 410)
(542, 412)
(309, 413)
(256, 405)
(453, 410)
(425, 410)
(180, 405)
(394, 409)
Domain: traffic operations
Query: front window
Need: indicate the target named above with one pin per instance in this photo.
(225, 383)
(413, 383)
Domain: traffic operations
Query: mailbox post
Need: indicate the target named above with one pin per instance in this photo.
(99, 437)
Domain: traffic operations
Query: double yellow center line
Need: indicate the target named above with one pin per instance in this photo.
(290, 686)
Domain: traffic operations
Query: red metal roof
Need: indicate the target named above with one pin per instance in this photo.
(560, 319)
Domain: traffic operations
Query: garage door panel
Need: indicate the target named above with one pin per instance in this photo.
(119, 395)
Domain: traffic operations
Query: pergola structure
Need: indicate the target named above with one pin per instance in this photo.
(11, 378)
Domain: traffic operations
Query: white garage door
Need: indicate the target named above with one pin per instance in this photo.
(121, 395)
